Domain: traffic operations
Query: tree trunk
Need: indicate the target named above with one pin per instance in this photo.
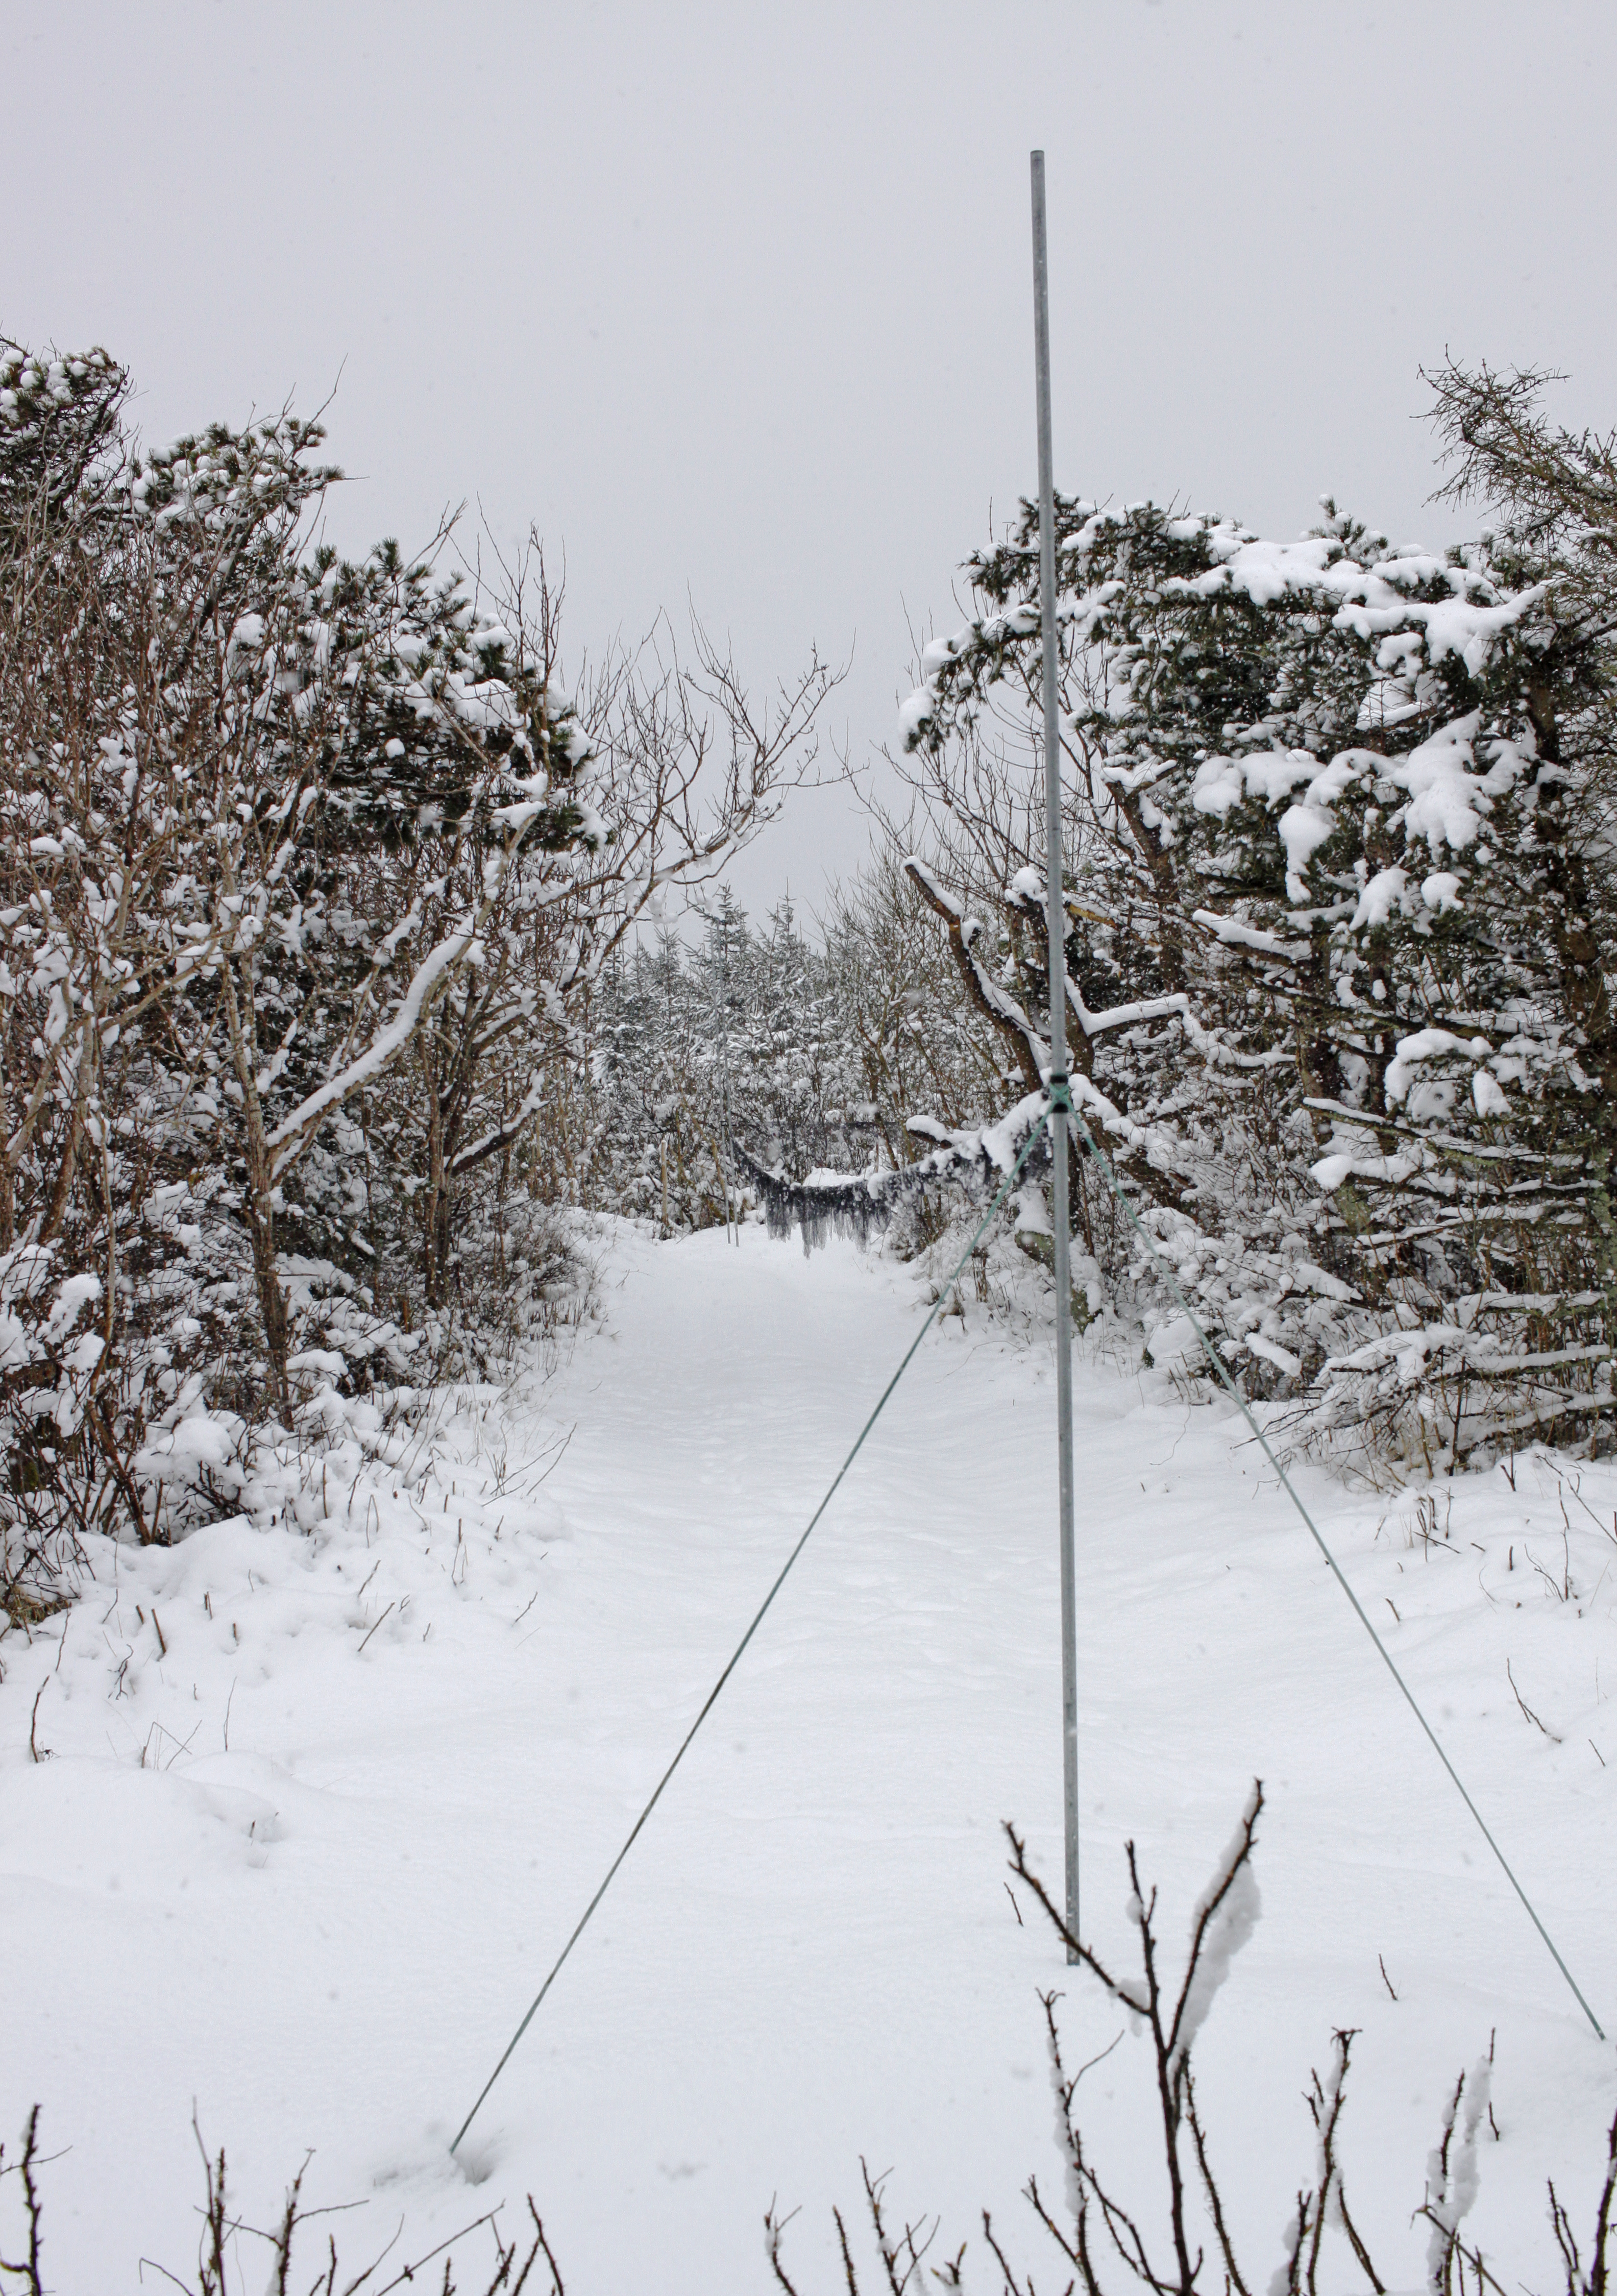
(63, 1191)
(260, 1203)
(1165, 883)
(435, 1228)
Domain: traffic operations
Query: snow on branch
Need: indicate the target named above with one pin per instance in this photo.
(1225, 1917)
(501, 1135)
(287, 1141)
(1032, 1049)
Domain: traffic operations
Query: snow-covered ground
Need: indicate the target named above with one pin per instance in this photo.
(305, 1859)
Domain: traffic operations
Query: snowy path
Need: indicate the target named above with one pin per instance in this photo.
(325, 1934)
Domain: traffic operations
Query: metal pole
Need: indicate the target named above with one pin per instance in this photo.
(724, 1058)
(1055, 922)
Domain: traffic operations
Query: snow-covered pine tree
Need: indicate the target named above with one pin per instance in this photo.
(117, 574)
(792, 1105)
(1315, 814)
(273, 829)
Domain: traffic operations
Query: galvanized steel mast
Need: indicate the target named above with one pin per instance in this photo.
(1060, 1086)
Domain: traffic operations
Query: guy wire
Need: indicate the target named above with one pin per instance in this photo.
(712, 1696)
(1216, 1360)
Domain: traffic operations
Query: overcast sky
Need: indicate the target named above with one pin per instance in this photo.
(733, 301)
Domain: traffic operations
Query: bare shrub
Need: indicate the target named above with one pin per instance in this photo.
(1097, 2236)
(232, 2254)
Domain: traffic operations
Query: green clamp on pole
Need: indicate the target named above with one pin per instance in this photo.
(1058, 1091)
